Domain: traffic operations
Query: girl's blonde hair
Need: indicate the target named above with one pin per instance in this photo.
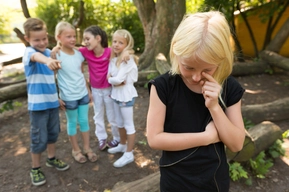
(130, 43)
(204, 36)
(60, 27)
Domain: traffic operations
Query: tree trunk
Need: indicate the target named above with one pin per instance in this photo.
(13, 61)
(149, 183)
(161, 64)
(80, 19)
(25, 9)
(244, 17)
(238, 47)
(13, 92)
(270, 28)
(275, 59)
(272, 111)
(258, 138)
(249, 68)
(6, 84)
(144, 77)
(160, 20)
(280, 38)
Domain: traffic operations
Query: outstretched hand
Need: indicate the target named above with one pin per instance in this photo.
(210, 90)
(53, 64)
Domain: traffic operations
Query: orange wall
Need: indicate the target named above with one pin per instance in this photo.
(259, 31)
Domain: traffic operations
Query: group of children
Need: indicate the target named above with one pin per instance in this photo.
(112, 74)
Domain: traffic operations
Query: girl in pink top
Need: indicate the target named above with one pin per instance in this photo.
(97, 54)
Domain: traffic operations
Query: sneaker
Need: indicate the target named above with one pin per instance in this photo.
(102, 144)
(58, 164)
(120, 148)
(37, 177)
(125, 159)
(112, 143)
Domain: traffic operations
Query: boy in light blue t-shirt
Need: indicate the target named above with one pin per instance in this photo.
(43, 104)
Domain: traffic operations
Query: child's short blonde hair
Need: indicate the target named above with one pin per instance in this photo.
(204, 36)
(60, 27)
(33, 24)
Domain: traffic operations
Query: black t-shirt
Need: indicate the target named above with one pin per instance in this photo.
(201, 168)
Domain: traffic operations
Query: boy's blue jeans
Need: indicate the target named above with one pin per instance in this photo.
(44, 129)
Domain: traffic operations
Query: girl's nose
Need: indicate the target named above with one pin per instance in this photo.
(196, 77)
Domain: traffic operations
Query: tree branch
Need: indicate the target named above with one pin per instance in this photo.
(25, 9)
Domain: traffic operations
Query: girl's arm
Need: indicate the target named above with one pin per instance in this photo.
(56, 51)
(61, 103)
(229, 124)
(126, 55)
(124, 69)
(87, 83)
(158, 139)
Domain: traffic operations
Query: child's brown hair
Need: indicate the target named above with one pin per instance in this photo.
(33, 24)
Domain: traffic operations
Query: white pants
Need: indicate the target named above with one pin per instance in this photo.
(124, 118)
(102, 102)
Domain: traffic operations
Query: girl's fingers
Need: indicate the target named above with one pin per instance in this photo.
(209, 77)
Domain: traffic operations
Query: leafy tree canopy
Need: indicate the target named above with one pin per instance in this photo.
(109, 15)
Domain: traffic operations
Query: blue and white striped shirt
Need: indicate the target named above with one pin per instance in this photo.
(41, 87)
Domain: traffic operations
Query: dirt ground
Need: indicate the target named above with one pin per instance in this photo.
(102, 176)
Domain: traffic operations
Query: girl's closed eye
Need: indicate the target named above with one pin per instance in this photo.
(188, 67)
(207, 70)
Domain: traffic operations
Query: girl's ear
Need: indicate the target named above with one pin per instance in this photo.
(58, 37)
(98, 38)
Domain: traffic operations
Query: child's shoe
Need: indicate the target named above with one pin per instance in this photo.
(37, 177)
(117, 149)
(58, 164)
(125, 159)
(92, 157)
(102, 144)
(112, 143)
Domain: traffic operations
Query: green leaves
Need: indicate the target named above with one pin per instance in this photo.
(237, 171)
(260, 165)
(9, 105)
(107, 14)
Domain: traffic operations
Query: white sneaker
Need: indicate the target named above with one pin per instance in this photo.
(117, 149)
(125, 159)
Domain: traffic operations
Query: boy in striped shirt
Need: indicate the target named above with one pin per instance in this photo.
(43, 105)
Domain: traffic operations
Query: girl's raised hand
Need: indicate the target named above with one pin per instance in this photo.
(211, 90)
(55, 51)
(126, 55)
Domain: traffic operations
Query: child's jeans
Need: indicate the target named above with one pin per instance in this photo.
(44, 129)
